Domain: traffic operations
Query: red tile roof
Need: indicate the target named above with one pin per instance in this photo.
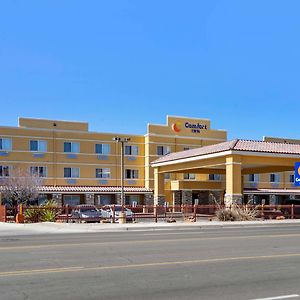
(91, 189)
(234, 145)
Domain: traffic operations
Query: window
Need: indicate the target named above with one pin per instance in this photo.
(38, 171)
(132, 200)
(292, 178)
(71, 147)
(131, 150)
(4, 171)
(103, 173)
(40, 146)
(5, 144)
(163, 150)
(274, 177)
(131, 174)
(102, 148)
(189, 176)
(167, 176)
(71, 172)
(253, 178)
(72, 200)
(214, 177)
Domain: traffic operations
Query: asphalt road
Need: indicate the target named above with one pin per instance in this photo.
(225, 263)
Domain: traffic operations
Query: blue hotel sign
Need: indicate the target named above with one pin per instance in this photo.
(297, 174)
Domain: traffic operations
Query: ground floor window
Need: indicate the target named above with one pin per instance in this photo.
(133, 200)
(102, 200)
(71, 200)
(42, 199)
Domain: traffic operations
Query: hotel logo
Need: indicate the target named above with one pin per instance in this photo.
(176, 127)
(297, 174)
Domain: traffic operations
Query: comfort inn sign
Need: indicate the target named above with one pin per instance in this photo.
(297, 174)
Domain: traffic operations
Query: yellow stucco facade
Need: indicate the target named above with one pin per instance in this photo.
(66, 153)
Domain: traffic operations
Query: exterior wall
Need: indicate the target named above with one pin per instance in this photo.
(179, 140)
(56, 160)
(177, 134)
(56, 132)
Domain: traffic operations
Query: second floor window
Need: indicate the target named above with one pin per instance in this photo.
(4, 171)
(71, 147)
(131, 174)
(36, 145)
(215, 177)
(71, 172)
(131, 150)
(103, 173)
(102, 148)
(163, 150)
(274, 177)
(38, 171)
(189, 176)
(5, 144)
(253, 178)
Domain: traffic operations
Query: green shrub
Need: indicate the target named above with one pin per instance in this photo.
(49, 215)
(33, 214)
(47, 212)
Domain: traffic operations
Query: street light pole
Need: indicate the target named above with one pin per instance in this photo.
(122, 141)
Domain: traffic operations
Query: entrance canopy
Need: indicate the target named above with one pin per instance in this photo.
(233, 158)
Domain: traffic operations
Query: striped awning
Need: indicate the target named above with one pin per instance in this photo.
(92, 189)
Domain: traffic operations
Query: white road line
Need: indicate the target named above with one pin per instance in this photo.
(279, 297)
(176, 233)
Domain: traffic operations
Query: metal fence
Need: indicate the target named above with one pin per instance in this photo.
(142, 213)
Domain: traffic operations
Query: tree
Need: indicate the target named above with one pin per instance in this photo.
(20, 187)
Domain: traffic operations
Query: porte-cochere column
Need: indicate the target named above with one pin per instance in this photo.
(159, 188)
(233, 180)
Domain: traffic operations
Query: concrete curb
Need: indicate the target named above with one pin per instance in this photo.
(7, 229)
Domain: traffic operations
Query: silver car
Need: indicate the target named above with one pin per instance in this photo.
(86, 213)
(107, 212)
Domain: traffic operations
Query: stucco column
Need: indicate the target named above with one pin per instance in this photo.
(159, 184)
(233, 180)
(90, 199)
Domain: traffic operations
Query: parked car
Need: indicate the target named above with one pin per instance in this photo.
(107, 212)
(86, 213)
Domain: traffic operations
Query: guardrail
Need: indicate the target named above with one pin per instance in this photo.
(142, 213)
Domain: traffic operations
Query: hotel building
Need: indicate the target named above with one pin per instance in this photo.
(80, 166)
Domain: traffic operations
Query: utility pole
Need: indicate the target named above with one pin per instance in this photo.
(122, 141)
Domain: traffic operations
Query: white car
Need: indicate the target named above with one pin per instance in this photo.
(107, 212)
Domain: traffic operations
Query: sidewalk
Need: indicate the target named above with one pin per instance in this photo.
(13, 229)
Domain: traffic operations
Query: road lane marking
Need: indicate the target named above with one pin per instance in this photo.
(48, 246)
(279, 297)
(40, 271)
(144, 265)
(173, 233)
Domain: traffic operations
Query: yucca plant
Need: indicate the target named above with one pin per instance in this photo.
(33, 214)
(47, 212)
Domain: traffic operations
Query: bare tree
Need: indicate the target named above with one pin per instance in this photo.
(20, 187)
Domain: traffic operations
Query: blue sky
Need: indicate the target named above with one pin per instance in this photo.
(122, 64)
